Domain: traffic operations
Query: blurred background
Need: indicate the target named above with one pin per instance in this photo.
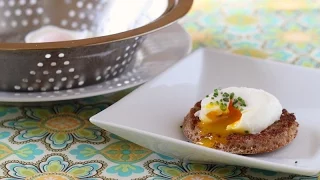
(281, 30)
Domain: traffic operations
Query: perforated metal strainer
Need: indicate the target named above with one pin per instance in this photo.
(120, 26)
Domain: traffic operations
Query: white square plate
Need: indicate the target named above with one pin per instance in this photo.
(151, 115)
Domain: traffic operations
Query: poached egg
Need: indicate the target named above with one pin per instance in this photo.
(236, 110)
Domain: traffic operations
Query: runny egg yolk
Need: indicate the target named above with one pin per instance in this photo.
(215, 131)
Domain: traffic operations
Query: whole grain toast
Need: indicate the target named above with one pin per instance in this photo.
(277, 135)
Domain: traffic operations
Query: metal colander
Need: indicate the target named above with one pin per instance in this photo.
(120, 25)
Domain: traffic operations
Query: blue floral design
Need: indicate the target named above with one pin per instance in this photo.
(26, 152)
(53, 166)
(7, 110)
(58, 126)
(125, 170)
(123, 153)
(4, 135)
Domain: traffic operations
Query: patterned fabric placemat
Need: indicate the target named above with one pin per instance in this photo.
(55, 141)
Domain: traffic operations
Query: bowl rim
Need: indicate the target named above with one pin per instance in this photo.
(175, 10)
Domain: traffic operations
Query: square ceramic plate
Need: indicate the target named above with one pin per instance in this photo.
(151, 116)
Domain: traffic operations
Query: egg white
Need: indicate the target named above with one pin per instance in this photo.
(262, 109)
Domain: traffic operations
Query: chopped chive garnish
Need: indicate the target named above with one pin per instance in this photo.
(223, 107)
(225, 95)
(215, 94)
(235, 101)
(207, 95)
(231, 95)
(247, 132)
(226, 99)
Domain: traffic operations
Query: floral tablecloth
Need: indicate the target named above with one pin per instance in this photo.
(55, 141)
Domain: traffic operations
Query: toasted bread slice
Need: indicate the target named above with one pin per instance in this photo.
(277, 135)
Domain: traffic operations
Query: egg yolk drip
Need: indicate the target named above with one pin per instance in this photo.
(214, 132)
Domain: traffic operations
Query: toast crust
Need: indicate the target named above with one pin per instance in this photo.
(276, 136)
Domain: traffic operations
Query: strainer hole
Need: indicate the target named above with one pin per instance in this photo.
(107, 76)
(14, 23)
(33, 2)
(30, 88)
(124, 62)
(11, 3)
(126, 82)
(121, 70)
(58, 71)
(51, 79)
(17, 87)
(127, 48)
(79, 4)
(72, 13)
(38, 81)
(28, 12)
(98, 78)
(35, 21)
(39, 10)
(17, 94)
(108, 68)
(69, 86)
(32, 72)
(64, 79)
(66, 62)
(84, 26)
(56, 88)
(25, 80)
(47, 56)
(71, 70)
(43, 89)
(22, 2)
(46, 20)
(82, 15)
(119, 84)
(53, 64)
(24, 22)
(135, 44)
(45, 72)
(61, 55)
(64, 22)
(76, 77)
(89, 6)
(74, 24)
(7, 13)
(18, 12)
(80, 83)
(118, 58)
(114, 73)
(116, 79)
(116, 66)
